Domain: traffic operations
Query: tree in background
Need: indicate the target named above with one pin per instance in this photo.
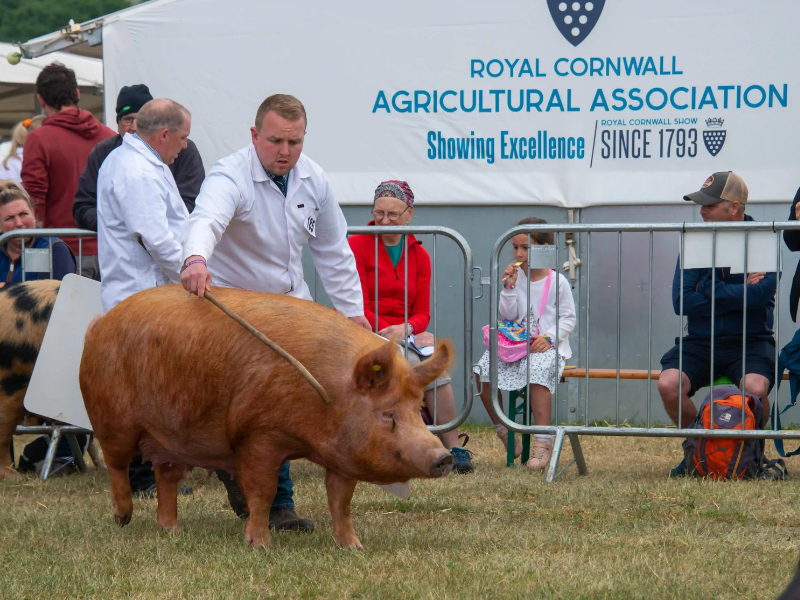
(22, 20)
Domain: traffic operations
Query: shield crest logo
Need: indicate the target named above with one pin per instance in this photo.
(575, 20)
(714, 140)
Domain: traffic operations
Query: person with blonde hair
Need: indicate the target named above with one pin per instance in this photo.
(11, 165)
(16, 212)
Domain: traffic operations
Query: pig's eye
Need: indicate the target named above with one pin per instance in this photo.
(390, 417)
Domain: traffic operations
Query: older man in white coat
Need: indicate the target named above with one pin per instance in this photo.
(255, 211)
(140, 213)
(140, 218)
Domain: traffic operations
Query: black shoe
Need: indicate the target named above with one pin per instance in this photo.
(680, 470)
(150, 491)
(285, 519)
(235, 496)
(462, 462)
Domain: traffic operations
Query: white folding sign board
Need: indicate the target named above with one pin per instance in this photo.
(567, 103)
(762, 251)
(54, 391)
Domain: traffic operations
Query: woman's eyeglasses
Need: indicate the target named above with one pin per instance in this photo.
(393, 216)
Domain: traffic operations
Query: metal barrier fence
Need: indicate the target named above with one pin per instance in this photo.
(40, 260)
(463, 246)
(711, 236)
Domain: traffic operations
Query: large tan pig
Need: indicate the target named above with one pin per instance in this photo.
(175, 377)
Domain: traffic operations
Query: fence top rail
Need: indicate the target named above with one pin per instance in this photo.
(421, 229)
(647, 227)
(37, 233)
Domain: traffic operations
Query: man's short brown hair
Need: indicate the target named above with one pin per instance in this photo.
(539, 237)
(286, 106)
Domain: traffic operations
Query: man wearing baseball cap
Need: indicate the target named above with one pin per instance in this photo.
(722, 197)
(187, 169)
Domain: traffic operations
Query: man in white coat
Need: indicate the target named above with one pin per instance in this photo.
(140, 213)
(140, 218)
(256, 209)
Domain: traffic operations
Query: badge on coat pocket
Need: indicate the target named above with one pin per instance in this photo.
(310, 223)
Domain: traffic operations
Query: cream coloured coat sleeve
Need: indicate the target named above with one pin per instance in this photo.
(214, 208)
(334, 259)
(145, 214)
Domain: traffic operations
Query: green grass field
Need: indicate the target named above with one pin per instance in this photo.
(624, 531)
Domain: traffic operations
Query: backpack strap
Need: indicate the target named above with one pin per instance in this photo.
(772, 470)
(545, 294)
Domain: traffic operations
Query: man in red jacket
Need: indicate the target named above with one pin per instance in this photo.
(56, 153)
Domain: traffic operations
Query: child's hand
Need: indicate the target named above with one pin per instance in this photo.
(510, 274)
(540, 344)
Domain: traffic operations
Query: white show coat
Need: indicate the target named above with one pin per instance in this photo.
(252, 237)
(140, 217)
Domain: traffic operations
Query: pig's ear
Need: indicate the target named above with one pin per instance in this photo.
(374, 369)
(429, 370)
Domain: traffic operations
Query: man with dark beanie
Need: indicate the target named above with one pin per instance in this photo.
(56, 153)
(187, 169)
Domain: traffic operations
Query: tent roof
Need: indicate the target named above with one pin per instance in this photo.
(18, 84)
(84, 38)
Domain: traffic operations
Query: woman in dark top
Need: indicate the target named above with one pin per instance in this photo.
(792, 239)
(16, 212)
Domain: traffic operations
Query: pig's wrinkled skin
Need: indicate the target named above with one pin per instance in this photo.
(175, 377)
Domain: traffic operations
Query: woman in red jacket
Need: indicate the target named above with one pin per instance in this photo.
(394, 205)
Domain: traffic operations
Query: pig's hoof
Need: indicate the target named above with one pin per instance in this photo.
(122, 520)
(168, 527)
(353, 544)
(8, 474)
(257, 540)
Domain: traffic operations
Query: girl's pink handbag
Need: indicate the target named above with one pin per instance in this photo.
(509, 350)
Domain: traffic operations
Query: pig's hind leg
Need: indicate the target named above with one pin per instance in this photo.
(167, 477)
(340, 494)
(121, 494)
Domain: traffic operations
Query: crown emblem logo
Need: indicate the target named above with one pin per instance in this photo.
(714, 122)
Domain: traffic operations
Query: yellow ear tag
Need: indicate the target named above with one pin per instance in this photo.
(376, 368)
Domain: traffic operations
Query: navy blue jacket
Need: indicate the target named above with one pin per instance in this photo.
(63, 262)
(728, 302)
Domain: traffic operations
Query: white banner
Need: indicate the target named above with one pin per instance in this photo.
(537, 101)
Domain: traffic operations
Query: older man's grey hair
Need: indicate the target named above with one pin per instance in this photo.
(158, 114)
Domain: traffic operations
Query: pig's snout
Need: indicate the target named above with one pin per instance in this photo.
(441, 463)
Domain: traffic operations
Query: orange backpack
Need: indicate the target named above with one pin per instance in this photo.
(726, 458)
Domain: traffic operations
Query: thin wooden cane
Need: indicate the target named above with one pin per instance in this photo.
(280, 351)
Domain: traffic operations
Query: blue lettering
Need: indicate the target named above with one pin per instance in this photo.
(555, 67)
(441, 101)
(672, 98)
(663, 95)
(773, 93)
(525, 68)
(599, 101)
(555, 101)
(475, 71)
(708, 98)
(405, 106)
(761, 90)
(489, 68)
(381, 102)
(421, 105)
(633, 65)
(511, 66)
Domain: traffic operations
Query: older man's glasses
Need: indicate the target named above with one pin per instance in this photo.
(393, 216)
(128, 121)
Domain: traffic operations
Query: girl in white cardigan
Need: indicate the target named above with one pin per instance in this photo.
(547, 352)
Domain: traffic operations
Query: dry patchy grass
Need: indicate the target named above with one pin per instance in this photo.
(625, 531)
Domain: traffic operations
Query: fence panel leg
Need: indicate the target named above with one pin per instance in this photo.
(51, 453)
(552, 468)
(577, 451)
(76, 452)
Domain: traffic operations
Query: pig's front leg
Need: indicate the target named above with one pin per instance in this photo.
(340, 493)
(257, 475)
